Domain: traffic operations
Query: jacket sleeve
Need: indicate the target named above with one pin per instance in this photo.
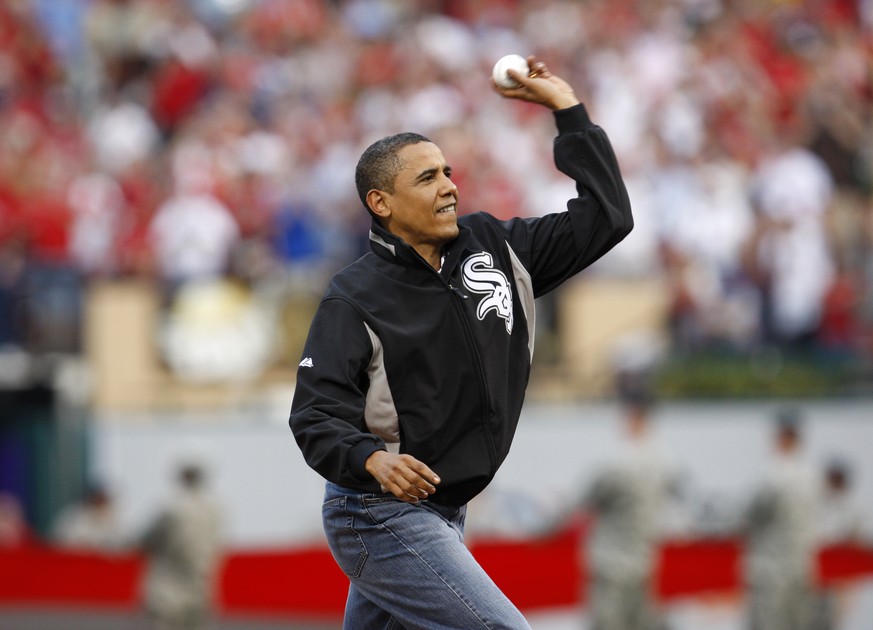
(327, 413)
(557, 246)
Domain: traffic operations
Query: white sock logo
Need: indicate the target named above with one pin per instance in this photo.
(480, 276)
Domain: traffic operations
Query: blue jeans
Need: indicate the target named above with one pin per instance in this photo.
(408, 566)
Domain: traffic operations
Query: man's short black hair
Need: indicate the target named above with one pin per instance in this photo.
(379, 164)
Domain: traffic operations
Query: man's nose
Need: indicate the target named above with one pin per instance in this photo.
(449, 187)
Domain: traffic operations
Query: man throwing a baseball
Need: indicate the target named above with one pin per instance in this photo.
(413, 375)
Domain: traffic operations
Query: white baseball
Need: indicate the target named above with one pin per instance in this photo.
(515, 62)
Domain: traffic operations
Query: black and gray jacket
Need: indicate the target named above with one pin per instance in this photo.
(404, 358)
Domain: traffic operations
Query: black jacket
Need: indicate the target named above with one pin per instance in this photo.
(435, 364)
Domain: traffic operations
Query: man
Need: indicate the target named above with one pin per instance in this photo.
(91, 524)
(183, 548)
(841, 517)
(842, 520)
(629, 499)
(780, 527)
(414, 372)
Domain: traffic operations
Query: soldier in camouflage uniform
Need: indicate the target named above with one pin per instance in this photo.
(628, 500)
(183, 550)
(780, 530)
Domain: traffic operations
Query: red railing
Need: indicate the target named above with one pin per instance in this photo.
(535, 574)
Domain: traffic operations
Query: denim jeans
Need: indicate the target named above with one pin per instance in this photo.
(408, 566)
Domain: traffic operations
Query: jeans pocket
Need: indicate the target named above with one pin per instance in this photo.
(345, 542)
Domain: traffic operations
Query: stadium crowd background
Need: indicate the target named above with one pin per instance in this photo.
(183, 141)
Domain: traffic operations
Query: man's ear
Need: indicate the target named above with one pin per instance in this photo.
(378, 204)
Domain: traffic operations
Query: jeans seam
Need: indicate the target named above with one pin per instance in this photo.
(374, 500)
(333, 502)
(364, 553)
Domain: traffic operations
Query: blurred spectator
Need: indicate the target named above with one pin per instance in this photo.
(183, 76)
(122, 35)
(14, 531)
(183, 550)
(91, 524)
(122, 133)
(97, 202)
(780, 530)
(192, 232)
(12, 262)
(841, 521)
(791, 253)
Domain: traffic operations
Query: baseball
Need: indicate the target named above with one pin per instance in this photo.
(516, 62)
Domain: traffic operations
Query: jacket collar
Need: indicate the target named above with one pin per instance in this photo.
(393, 248)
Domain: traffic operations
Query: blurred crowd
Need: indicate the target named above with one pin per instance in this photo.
(189, 143)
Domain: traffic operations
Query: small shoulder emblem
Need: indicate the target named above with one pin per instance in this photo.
(306, 362)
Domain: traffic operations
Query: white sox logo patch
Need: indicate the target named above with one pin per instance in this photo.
(480, 276)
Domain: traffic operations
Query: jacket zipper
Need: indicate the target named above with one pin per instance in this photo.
(459, 297)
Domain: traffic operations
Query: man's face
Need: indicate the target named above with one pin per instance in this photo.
(423, 206)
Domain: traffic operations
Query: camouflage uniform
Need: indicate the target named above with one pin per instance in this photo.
(780, 529)
(628, 500)
(183, 549)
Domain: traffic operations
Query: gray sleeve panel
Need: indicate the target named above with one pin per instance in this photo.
(525, 292)
(380, 414)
